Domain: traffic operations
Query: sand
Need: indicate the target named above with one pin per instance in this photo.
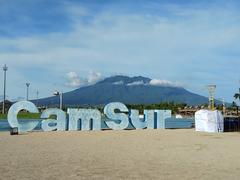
(135, 154)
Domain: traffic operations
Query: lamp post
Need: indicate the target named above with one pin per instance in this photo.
(5, 68)
(27, 84)
(57, 93)
(37, 97)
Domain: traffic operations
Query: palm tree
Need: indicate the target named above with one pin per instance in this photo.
(237, 96)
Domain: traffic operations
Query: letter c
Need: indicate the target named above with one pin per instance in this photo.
(15, 109)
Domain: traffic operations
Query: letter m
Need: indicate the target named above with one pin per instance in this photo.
(84, 119)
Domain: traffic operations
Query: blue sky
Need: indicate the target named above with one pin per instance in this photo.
(60, 44)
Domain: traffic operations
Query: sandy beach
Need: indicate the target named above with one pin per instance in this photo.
(135, 154)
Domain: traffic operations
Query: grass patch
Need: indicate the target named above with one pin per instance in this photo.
(23, 115)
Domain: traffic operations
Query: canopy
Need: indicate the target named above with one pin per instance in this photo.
(209, 121)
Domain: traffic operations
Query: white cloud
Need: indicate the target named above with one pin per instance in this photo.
(118, 83)
(136, 83)
(94, 77)
(74, 81)
(159, 82)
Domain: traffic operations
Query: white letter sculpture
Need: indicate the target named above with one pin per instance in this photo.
(161, 116)
(147, 122)
(117, 115)
(90, 119)
(13, 112)
(60, 122)
(122, 118)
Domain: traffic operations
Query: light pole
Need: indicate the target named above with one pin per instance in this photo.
(27, 84)
(37, 97)
(5, 68)
(57, 93)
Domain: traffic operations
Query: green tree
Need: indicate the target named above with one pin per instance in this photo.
(237, 95)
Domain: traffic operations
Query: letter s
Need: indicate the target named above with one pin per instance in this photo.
(109, 111)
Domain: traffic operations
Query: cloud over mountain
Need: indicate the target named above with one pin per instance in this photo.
(159, 82)
(75, 81)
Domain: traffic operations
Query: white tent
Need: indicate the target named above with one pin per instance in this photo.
(209, 121)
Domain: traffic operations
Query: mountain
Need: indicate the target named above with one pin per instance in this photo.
(128, 90)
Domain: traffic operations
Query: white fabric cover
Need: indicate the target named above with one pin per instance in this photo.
(209, 121)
